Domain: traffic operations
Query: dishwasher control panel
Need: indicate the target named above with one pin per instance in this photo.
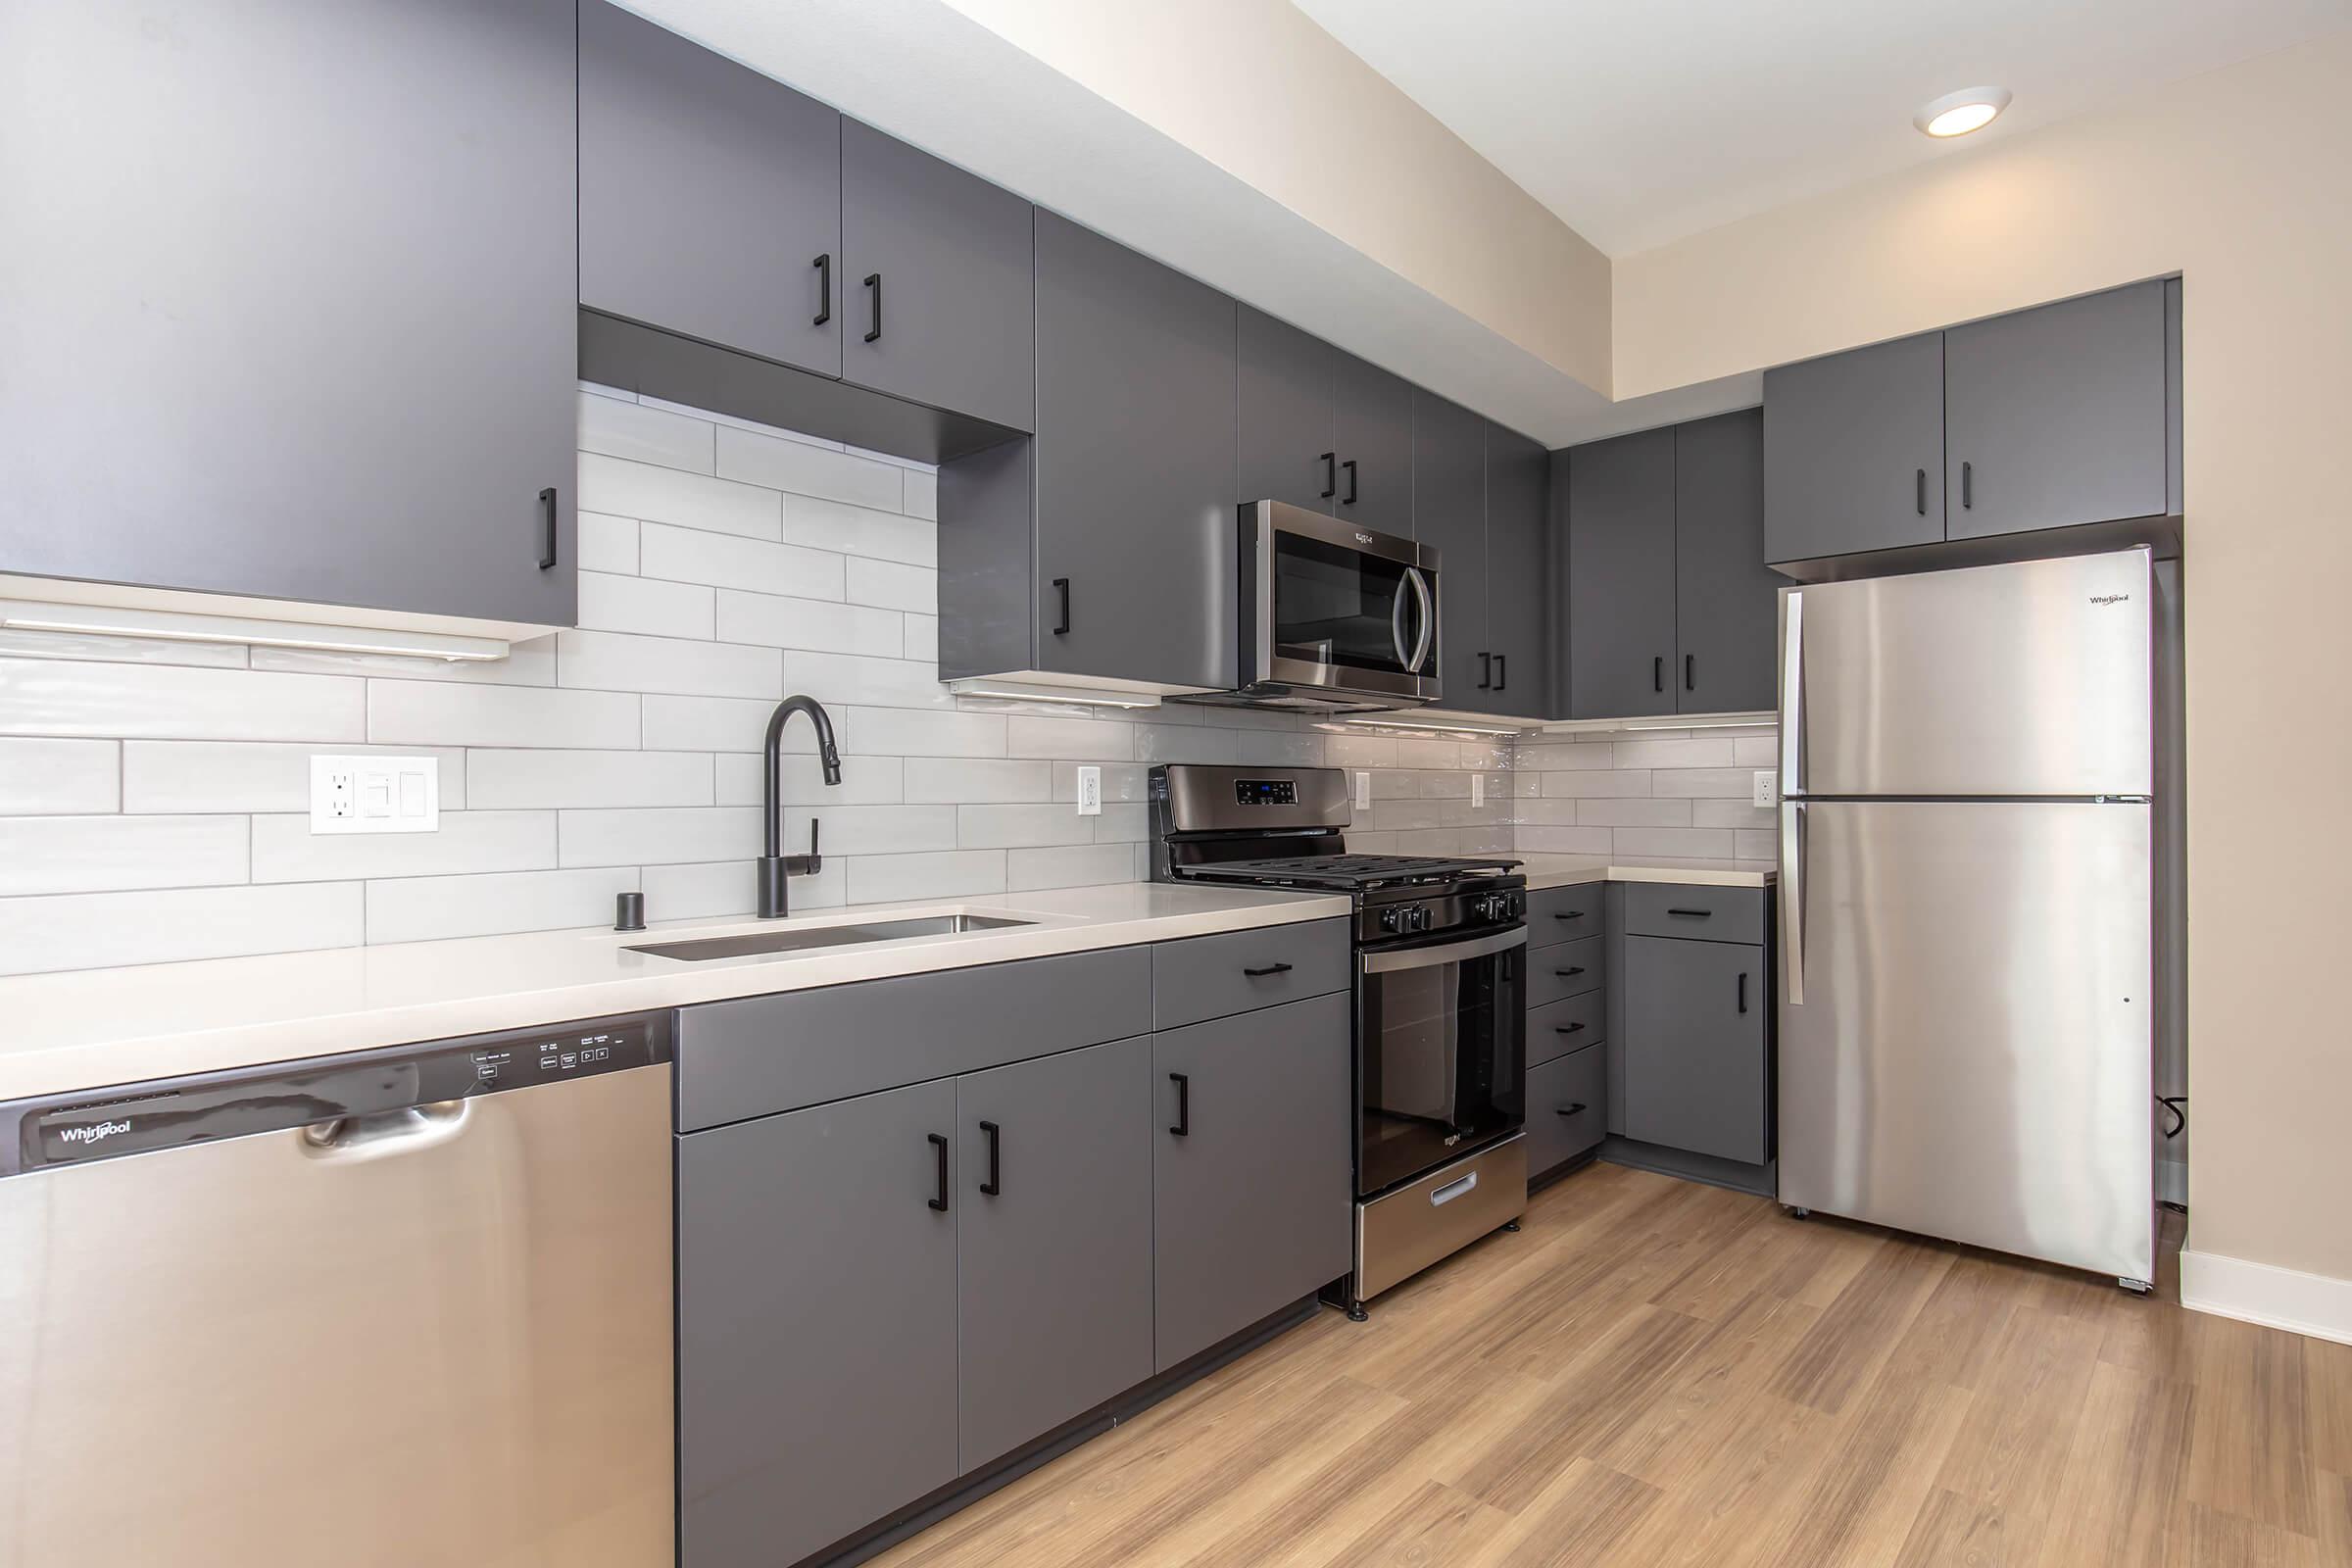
(552, 1055)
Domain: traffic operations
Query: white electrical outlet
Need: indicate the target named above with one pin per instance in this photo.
(1767, 787)
(375, 794)
(1089, 792)
(1363, 792)
(1478, 790)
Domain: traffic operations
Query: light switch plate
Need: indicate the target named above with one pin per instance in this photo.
(1767, 787)
(375, 794)
(1089, 792)
(1363, 791)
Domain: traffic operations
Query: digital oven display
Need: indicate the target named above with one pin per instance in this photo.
(1265, 792)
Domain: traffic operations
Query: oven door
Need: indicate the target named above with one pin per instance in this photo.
(1340, 607)
(1441, 1040)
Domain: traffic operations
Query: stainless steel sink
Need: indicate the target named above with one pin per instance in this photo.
(824, 935)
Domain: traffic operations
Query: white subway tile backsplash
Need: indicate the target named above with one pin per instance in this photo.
(1542, 839)
(704, 889)
(608, 543)
(1688, 843)
(864, 781)
(639, 836)
(285, 850)
(954, 780)
(1607, 813)
(610, 602)
(251, 775)
(922, 493)
(849, 530)
(1756, 750)
(428, 909)
(630, 430)
(893, 586)
(1752, 844)
(617, 662)
(1714, 752)
(416, 713)
(650, 493)
(922, 638)
(687, 555)
(1086, 740)
(1122, 824)
(917, 732)
(1727, 783)
(69, 697)
(871, 829)
(948, 874)
(1069, 866)
(1185, 743)
(1121, 781)
(106, 854)
(92, 930)
(773, 621)
(1732, 813)
(716, 724)
(851, 678)
(810, 471)
(498, 779)
(59, 777)
(1005, 827)
(1577, 785)
(1271, 748)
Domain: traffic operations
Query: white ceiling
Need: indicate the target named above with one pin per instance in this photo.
(1640, 122)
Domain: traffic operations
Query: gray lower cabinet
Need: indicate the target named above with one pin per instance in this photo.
(939, 282)
(817, 1315)
(1567, 1107)
(1853, 451)
(1696, 1064)
(2057, 415)
(1518, 618)
(710, 196)
(1251, 1165)
(1053, 1214)
(287, 301)
(1619, 549)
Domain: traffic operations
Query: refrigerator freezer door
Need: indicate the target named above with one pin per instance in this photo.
(1972, 1055)
(2027, 679)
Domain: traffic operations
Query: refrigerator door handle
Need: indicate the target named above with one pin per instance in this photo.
(1792, 900)
(1792, 690)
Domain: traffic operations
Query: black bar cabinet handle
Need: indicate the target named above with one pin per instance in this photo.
(1348, 499)
(824, 289)
(1569, 974)
(1184, 1106)
(547, 528)
(995, 1152)
(1743, 991)
(1568, 914)
(1968, 485)
(873, 289)
(1567, 1028)
(1485, 672)
(1692, 914)
(1923, 492)
(1657, 673)
(1576, 1109)
(1061, 586)
(1271, 969)
(939, 1147)
(1502, 671)
(1331, 473)
(1690, 672)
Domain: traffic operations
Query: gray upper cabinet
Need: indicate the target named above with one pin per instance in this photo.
(1853, 451)
(1054, 1205)
(937, 279)
(1727, 600)
(817, 1316)
(1251, 1172)
(287, 302)
(1518, 628)
(1372, 419)
(1621, 576)
(1134, 466)
(710, 196)
(2057, 415)
(1282, 414)
(1449, 512)
(1696, 1065)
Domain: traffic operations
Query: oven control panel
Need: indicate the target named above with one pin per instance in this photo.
(1496, 909)
(1404, 919)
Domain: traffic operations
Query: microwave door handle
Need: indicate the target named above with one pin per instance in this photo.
(1481, 946)
(1429, 621)
(1404, 660)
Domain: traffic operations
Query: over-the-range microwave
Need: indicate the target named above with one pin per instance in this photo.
(1333, 618)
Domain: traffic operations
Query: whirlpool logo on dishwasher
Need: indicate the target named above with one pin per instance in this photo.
(96, 1132)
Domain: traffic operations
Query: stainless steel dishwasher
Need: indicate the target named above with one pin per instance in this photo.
(406, 1307)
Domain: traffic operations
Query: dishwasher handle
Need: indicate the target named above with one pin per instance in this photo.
(410, 1130)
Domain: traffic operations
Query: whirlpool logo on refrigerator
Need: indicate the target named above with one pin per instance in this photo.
(96, 1132)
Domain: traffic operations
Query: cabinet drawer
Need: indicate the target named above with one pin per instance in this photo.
(749, 1057)
(1560, 1027)
(1563, 914)
(1211, 977)
(1569, 970)
(1698, 913)
(1567, 1102)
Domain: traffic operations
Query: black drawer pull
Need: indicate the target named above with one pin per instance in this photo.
(1923, 492)
(1061, 586)
(1569, 974)
(1744, 991)
(1271, 969)
(547, 528)
(1690, 672)
(874, 289)
(1184, 1106)
(1568, 914)
(1968, 485)
(996, 1155)
(1502, 672)
(939, 1147)
(824, 289)
(1657, 674)
(1692, 914)
(1576, 1109)
(1331, 474)
(1485, 672)
(1348, 499)
(1567, 1028)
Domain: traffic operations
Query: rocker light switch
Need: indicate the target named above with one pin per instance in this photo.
(375, 794)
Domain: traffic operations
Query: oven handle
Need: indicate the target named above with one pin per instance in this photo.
(1446, 953)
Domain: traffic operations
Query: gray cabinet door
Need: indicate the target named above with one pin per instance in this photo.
(1283, 420)
(1252, 1199)
(286, 301)
(1693, 1049)
(1372, 420)
(1620, 528)
(939, 282)
(2056, 415)
(1727, 600)
(816, 1324)
(710, 196)
(1518, 574)
(1449, 512)
(1055, 1289)
(1134, 465)
(1853, 447)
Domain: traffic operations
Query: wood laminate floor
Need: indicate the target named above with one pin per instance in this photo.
(1656, 1373)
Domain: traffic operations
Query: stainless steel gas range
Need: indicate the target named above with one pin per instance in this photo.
(1440, 1032)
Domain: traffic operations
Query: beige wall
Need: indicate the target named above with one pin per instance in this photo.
(2241, 180)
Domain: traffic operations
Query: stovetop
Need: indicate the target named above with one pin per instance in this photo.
(1349, 874)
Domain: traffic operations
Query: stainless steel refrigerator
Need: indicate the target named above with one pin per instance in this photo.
(1968, 853)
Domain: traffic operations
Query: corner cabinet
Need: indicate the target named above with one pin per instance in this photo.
(289, 309)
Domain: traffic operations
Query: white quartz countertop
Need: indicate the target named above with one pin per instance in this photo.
(1563, 871)
(93, 1028)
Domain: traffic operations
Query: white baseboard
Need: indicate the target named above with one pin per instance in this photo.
(2263, 1292)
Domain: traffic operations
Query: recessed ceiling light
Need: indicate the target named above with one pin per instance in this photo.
(1956, 113)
